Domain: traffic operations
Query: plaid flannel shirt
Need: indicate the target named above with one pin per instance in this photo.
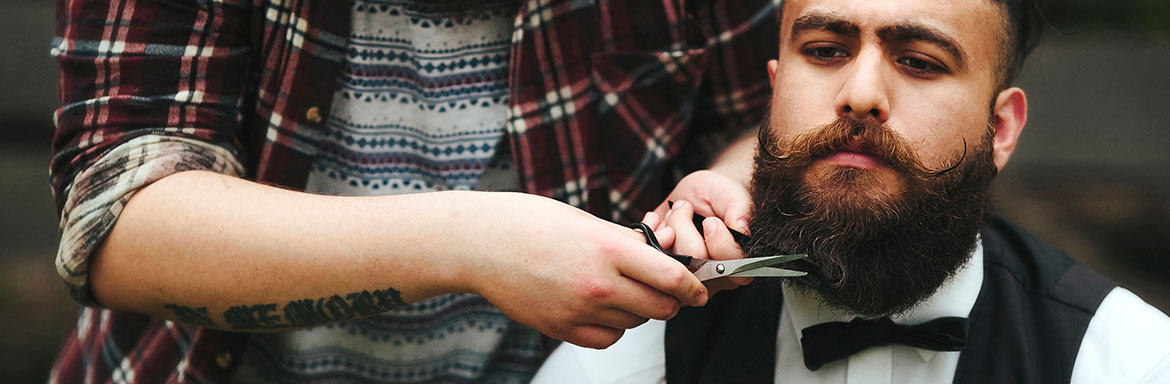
(604, 98)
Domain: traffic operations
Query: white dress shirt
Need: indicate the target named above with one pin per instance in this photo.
(1127, 341)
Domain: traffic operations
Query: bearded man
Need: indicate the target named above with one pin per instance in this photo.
(888, 121)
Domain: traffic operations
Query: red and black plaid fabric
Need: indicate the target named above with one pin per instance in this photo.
(604, 97)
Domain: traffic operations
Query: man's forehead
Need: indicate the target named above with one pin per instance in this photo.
(963, 19)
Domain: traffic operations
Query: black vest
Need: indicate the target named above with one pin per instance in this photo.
(1026, 325)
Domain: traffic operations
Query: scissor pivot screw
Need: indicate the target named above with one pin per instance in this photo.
(719, 268)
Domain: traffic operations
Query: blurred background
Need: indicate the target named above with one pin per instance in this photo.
(1091, 173)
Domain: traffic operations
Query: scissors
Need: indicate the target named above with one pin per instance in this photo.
(707, 269)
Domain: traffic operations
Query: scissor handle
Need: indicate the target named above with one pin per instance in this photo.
(740, 238)
(653, 242)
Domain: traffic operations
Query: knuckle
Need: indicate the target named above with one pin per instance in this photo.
(556, 331)
(691, 247)
(586, 340)
(664, 309)
(592, 289)
(675, 277)
(596, 338)
(611, 338)
(606, 247)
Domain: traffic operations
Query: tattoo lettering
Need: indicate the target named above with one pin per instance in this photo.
(252, 317)
(309, 312)
(197, 316)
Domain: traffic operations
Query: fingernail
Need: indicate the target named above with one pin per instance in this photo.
(646, 217)
(708, 228)
(743, 225)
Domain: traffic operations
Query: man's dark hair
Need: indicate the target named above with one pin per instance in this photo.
(1024, 25)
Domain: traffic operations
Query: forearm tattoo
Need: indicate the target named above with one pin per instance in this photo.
(296, 313)
(197, 316)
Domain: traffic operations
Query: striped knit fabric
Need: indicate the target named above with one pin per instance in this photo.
(421, 106)
(422, 100)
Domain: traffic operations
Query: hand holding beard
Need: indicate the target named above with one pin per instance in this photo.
(879, 242)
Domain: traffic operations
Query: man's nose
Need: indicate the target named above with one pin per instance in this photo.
(864, 92)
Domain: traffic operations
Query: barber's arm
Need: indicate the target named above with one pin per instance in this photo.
(156, 218)
(227, 253)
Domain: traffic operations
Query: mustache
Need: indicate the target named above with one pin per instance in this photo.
(849, 134)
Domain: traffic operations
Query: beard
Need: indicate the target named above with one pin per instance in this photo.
(878, 242)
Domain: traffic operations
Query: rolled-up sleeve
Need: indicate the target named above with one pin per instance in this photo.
(148, 88)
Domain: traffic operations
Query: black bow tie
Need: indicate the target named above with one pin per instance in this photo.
(827, 342)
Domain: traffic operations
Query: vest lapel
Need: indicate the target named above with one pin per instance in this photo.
(1032, 313)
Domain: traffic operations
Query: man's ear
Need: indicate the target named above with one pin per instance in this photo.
(1011, 113)
(772, 65)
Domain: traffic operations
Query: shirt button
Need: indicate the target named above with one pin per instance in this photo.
(224, 359)
(313, 115)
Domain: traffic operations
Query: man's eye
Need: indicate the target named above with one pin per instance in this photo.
(920, 66)
(825, 53)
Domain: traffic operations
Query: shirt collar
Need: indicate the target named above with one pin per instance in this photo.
(955, 297)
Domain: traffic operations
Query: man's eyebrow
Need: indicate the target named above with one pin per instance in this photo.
(918, 32)
(821, 21)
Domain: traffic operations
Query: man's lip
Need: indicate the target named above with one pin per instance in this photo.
(853, 160)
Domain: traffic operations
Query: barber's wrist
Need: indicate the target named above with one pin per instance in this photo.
(430, 233)
(741, 173)
(464, 238)
(736, 160)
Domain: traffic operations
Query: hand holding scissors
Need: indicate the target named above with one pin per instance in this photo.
(707, 269)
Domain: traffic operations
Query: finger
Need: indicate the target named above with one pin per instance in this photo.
(663, 274)
(733, 204)
(736, 213)
(687, 239)
(665, 217)
(652, 220)
(640, 300)
(619, 318)
(661, 211)
(665, 237)
(594, 336)
(722, 246)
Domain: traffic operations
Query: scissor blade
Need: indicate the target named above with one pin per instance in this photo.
(770, 272)
(779, 259)
(716, 269)
(753, 263)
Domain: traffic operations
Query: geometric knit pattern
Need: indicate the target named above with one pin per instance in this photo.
(420, 106)
(421, 102)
